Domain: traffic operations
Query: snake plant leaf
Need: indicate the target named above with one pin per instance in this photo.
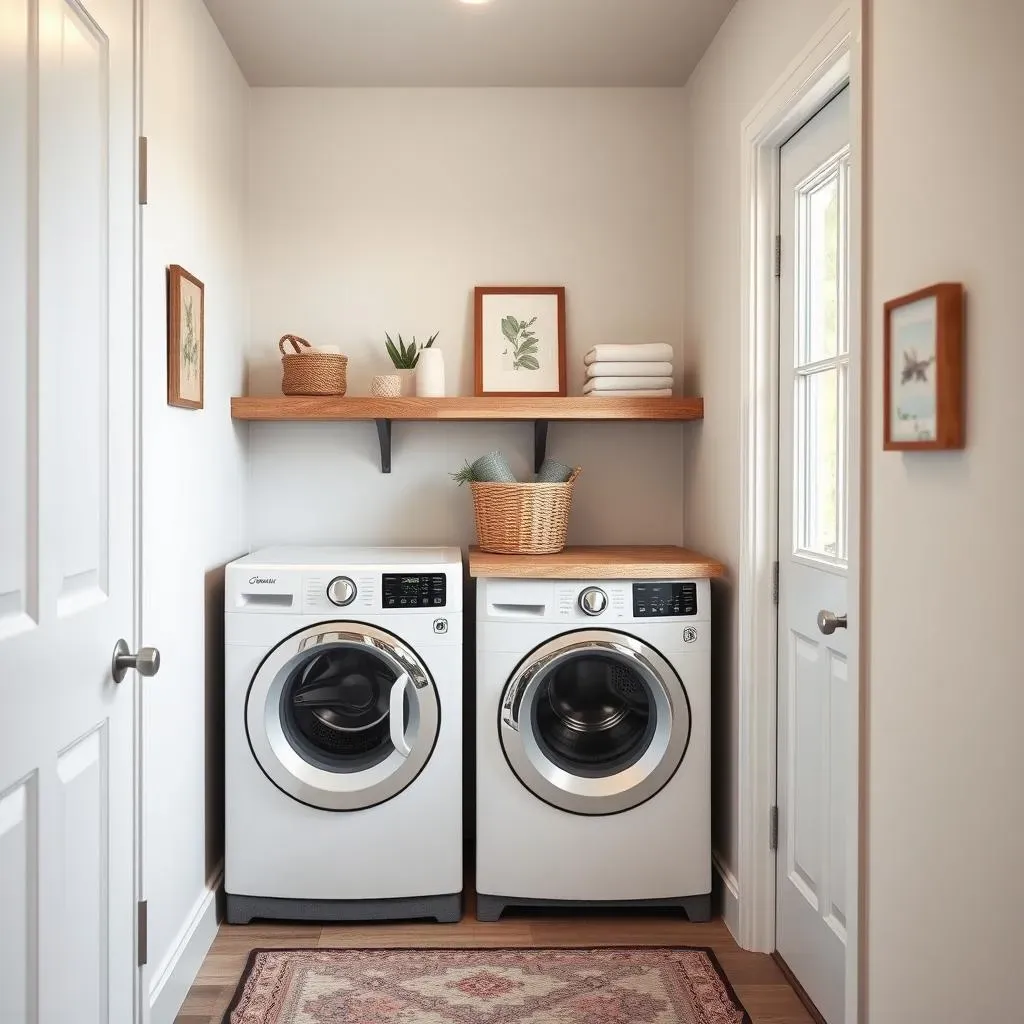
(432, 339)
(393, 354)
(528, 362)
(412, 356)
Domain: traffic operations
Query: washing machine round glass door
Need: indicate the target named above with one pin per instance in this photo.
(594, 722)
(342, 716)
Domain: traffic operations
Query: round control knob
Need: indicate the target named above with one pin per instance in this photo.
(341, 591)
(593, 601)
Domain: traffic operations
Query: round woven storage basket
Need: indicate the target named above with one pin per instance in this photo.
(310, 372)
(522, 519)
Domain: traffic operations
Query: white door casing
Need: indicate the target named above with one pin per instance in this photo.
(66, 510)
(814, 706)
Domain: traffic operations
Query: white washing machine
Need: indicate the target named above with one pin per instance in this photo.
(343, 734)
(593, 726)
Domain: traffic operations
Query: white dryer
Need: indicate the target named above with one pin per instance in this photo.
(343, 734)
(593, 729)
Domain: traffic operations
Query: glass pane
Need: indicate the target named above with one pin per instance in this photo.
(594, 715)
(817, 480)
(335, 709)
(820, 271)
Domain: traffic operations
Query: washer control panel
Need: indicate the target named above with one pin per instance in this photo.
(663, 600)
(402, 590)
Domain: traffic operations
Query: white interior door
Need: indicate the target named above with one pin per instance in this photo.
(814, 728)
(66, 510)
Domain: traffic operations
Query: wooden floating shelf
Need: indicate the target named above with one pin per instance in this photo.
(283, 407)
(383, 411)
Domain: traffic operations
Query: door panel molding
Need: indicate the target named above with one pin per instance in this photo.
(830, 61)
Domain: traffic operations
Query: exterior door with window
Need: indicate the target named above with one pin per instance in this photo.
(814, 703)
(66, 511)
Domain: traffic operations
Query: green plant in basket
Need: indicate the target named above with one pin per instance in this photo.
(405, 357)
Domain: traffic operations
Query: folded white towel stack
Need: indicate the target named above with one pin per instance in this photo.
(617, 371)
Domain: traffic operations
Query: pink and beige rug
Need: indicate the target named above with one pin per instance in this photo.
(632, 985)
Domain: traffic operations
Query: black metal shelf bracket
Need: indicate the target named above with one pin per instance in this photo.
(540, 443)
(384, 436)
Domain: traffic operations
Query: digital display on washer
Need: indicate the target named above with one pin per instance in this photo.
(400, 590)
(660, 600)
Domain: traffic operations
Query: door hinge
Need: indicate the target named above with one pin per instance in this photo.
(143, 170)
(775, 583)
(773, 839)
(143, 931)
(778, 255)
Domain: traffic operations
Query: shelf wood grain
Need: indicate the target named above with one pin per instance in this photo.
(595, 563)
(284, 407)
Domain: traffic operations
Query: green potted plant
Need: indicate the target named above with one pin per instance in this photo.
(405, 357)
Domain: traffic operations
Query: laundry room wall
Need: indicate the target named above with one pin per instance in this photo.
(945, 804)
(754, 47)
(378, 210)
(193, 488)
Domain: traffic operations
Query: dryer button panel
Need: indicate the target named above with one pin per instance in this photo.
(402, 590)
(664, 600)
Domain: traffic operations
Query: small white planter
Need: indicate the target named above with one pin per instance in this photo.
(408, 382)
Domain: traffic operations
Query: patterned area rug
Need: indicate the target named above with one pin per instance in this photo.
(633, 985)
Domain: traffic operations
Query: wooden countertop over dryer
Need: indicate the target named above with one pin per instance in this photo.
(632, 562)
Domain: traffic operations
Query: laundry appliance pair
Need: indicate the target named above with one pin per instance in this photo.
(344, 739)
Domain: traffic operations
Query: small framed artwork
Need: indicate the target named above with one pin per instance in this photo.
(520, 341)
(185, 354)
(924, 370)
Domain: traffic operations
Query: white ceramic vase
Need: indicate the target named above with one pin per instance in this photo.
(430, 374)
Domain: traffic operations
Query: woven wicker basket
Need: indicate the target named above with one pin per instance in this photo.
(522, 519)
(311, 373)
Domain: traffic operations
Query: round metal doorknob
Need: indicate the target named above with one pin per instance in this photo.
(593, 601)
(829, 622)
(146, 661)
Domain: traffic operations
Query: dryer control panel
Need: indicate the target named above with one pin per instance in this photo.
(664, 600)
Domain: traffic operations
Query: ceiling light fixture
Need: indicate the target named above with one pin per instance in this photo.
(476, 1)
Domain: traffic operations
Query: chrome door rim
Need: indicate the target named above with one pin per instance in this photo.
(609, 794)
(338, 791)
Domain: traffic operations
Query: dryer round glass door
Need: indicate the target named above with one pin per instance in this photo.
(342, 716)
(594, 722)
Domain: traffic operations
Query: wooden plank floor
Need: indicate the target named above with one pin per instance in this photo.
(757, 979)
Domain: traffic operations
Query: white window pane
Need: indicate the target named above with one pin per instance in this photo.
(817, 479)
(819, 271)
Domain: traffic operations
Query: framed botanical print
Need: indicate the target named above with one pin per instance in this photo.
(520, 341)
(924, 373)
(185, 351)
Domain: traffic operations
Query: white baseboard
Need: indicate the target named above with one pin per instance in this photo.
(172, 979)
(730, 895)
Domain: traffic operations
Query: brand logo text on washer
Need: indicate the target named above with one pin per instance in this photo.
(261, 579)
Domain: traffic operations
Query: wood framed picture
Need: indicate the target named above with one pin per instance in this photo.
(520, 341)
(185, 336)
(924, 370)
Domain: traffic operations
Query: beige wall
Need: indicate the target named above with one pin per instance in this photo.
(196, 109)
(378, 210)
(946, 721)
(757, 43)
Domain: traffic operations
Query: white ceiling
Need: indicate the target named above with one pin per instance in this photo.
(445, 42)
